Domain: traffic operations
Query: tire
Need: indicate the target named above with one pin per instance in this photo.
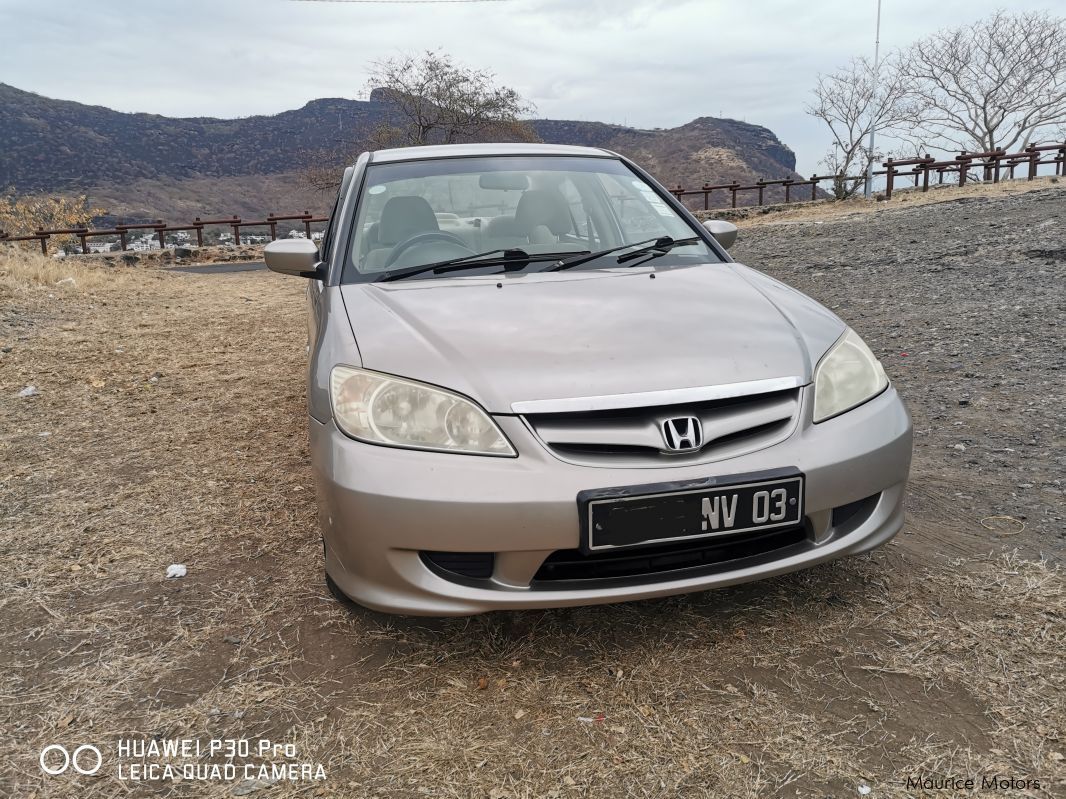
(335, 589)
(338, 594)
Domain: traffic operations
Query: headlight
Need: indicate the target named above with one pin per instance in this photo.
(847, 376)
(402, 413)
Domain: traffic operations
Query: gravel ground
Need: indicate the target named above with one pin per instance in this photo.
(964, 302)
(169, 427)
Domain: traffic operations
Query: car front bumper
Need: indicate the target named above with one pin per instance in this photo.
(380, 507)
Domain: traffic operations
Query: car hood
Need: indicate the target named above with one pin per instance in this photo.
(514, 338)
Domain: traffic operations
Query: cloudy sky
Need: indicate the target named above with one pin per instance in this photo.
(647, 63)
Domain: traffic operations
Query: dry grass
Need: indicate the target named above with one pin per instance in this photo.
(22, 270)
(905, 196)
(170, 428)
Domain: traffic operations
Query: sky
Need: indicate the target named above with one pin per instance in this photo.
(645, 63)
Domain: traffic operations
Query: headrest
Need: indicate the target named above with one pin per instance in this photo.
(403, 217)
(540, 207)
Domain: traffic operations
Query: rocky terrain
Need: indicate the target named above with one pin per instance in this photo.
(963, 301)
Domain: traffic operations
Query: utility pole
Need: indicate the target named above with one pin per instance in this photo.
(877, 54)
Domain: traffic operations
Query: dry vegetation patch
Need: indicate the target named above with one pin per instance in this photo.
(169, 428)
(904, 196)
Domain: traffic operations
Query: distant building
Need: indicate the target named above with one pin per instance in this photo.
(143, 243)
(297, 234)
(318, 235)
(100, 246)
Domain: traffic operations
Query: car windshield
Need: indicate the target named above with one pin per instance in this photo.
(415, 213)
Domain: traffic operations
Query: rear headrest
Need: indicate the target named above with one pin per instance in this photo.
(540, 207)
(403, 217)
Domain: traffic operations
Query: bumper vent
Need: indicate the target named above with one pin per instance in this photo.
(472, 565)
(569, 568)
(848, 517)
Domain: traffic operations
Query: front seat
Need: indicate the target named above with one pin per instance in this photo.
(401, 218)
(540, 218)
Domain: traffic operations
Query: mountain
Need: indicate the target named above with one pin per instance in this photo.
(146, 165)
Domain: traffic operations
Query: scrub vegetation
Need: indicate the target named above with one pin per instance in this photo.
(168, 427)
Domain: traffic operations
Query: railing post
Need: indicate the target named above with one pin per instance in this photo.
(84, 243)
(706, 197)
(199, 232)
(44, 244)
(964, 166)
(733, 189)
(161, 234)
(995, 168)
(788, 189)
(122, 240)
(890, 177)
(925, 177)
(762, 185)
(307, 222)
(1034, 161)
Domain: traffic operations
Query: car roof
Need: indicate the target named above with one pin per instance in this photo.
(473, 150)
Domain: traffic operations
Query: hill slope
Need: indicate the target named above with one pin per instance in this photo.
(51, 145)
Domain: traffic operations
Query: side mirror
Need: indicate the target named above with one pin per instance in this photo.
(292, 257)
(725, 233)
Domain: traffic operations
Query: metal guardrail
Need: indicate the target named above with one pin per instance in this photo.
(161, 228)
(991, 163)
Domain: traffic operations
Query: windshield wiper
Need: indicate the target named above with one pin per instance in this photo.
(658, 246)
(514, 259)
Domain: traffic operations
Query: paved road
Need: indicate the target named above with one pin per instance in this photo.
(211, 269)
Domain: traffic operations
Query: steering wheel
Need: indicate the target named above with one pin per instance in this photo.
(422, 238)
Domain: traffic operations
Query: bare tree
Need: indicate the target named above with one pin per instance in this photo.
(432, 99)
(851, 102)
(1000, 83)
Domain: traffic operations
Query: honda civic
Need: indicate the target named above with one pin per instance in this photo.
(537, 380)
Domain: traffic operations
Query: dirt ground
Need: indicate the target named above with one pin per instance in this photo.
(168, 427)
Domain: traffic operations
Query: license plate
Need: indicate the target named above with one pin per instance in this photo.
(655, 514)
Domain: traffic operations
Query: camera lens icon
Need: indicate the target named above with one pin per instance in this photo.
(79, 758)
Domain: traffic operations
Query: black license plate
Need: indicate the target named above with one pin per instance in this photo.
(655, 514)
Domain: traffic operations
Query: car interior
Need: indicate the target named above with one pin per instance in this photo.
(413, 222)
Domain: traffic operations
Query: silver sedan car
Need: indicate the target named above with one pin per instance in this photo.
(536, 380)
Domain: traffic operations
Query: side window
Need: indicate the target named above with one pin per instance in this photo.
(326, 249)
(327, 237)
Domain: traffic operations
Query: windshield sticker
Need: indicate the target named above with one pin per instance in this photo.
(653, 199)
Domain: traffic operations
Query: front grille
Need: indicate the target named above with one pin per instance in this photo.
(665, 562)
(633, 436)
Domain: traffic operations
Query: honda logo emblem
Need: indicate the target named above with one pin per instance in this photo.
(682, 434)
